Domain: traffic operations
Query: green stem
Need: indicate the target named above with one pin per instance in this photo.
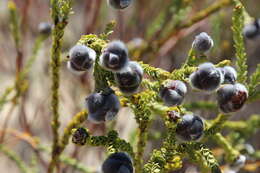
(231, 153)
(14, 157)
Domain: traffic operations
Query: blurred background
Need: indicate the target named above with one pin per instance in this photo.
(142, 24)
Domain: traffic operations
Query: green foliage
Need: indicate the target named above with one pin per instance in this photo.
(238, 24)
(254, 82)
(14, 23)
(14, 157)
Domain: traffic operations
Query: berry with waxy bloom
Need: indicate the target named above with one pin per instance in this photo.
(239, 162)
(81, 58)
(45, 28)
(102, 106)
(114, 57)
(207, 77)
(230, 74)
(172, 93)
(129, 80)
(231, 98)
(252, 30)
(190, 128)
(119, 4)
(202, 42)
(119, 162)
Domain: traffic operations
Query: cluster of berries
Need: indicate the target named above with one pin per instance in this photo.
(252, 30)
(231, 96)
(104, 105)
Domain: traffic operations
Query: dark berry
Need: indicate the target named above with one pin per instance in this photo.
(207, 77)
(202, 42)
(80, 136)
(114, 56)
(119, 4)
(230, 74)
(252, 30)
(45, 28)
(118, 163)
(216, 169)
(129, 80)
(81, 58)
(173, 92)
(102, 106)
(231, 98)
(190, 128)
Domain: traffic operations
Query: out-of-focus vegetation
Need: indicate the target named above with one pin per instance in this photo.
(158, 33)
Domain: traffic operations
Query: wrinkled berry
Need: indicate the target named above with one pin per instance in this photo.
(190, 128)
(202, 42)
(231, 98)
(45, 28)
(81, 58)
(118, 163)
(173, 92)
(129, 80)
(114, 56)
(119, 4)
(252, 30)
(230, 74)
(102, 106)
(207, 77)
(80, 136)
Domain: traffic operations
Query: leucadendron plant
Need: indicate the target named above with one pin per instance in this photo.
(121, 80)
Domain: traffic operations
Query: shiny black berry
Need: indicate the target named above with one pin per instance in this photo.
(190, 128)
(207, 77)
(129, 80)
(231, 98)
(114, 57)
(119, 4)
(172, 93)
(45, 28)
(252, 30)
(118, 163)
(230, 74)
(80, 136)
(202, 42)
(102, 106)
(81, 58)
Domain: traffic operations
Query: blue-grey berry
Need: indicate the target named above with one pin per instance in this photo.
(81, 58)
(172, 93)
(190, 128)
(114, 57)
(252, 30)
(207, 77)
(231, 98)
(239, 162)
(119, 4)
(102, 106)
(45, 28)
(119, 162)
(202, 42)
(230, 74)
(129, 80)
